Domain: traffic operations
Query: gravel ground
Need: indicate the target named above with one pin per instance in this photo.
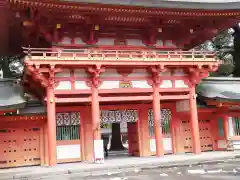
(220, 171)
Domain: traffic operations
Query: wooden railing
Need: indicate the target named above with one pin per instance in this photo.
(116, 55)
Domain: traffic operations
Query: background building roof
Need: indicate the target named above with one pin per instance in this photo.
(11, 95)
(178, 4)
(225, 88)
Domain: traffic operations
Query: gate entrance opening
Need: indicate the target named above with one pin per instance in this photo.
(119, 129)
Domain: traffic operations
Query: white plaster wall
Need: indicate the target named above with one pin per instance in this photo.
(167, 144)
(179, 72)
(134, 42)
(140, 84)
(78, 41)
(166, 84)
(81, 73)
(98, 149)
(105, 41)
(236, 145)
(159, 43)
(230, 127)
(64, 85)
(139, 73)
(109, 85)
(68, 151)
(180, 84)
(110, 73)
(166, 73)
(169, 43)
(64, 73)
(66, 40)
(81, 85)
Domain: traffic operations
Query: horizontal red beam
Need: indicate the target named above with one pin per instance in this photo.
(72, 100)
(125, 98)
(123, 63)
(120, 98)
(119, 91)
(174, 97)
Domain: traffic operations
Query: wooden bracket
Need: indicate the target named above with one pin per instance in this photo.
(156, 78)
(95, 75)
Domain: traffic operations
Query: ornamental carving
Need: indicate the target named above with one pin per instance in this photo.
(125, 84)
(118, 116)
(68, 118)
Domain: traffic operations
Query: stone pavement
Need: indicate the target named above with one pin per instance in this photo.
(229, 170)
(115, 165)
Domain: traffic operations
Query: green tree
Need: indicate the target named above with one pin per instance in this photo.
(11, 66)
(236, 51)
(224, 44)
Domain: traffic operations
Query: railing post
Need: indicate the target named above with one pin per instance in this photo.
(59, 54)
(193, 52)
(117, 55)
(181, 56)
(29, 52)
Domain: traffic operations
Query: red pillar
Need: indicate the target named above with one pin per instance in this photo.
(51, 122)
(96, 125)
(95, 114)
(225, 121)
(173, 130)
(144, 131)
(157, 122)
(194, 122)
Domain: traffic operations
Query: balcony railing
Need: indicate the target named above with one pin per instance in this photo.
(117, 55)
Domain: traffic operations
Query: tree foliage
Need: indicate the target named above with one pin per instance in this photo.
(11, 66)
(226, 45)
(236, 52)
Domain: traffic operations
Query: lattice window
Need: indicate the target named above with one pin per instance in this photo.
(68, 126)
(236, 126)
(166, 115)
(118, 116)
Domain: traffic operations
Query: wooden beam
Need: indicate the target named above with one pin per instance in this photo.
(47, 70)
(174, 97)
(72, 100)
(119, 91)
(120, 98)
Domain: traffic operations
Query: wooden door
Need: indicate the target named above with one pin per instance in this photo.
(19, 146)
(187, 136)
(184, 137)
(206, 138)
(133, 139)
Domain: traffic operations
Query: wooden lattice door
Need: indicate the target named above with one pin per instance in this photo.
(187, 136)
(204, 132)
(166, 116)
(19, 147)
(133, 141)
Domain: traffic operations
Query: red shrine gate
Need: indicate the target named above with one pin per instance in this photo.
(100, 57)
(102, 81)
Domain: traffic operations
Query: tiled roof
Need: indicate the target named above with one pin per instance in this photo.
(225, 88)
(11, 95)
(178, 4)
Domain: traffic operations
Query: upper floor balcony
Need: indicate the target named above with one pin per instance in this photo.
(40, 56)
